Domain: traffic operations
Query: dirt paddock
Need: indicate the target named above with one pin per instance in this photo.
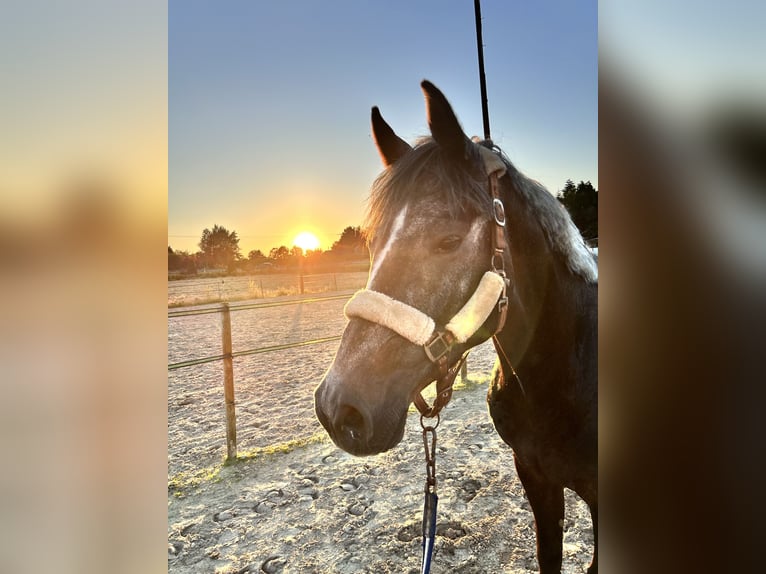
(296, 503)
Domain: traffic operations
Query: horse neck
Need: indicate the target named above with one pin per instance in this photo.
(543, 302)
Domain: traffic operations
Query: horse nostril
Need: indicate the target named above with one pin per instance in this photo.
(351, 423)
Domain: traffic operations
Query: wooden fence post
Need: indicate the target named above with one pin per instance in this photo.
(228, 386)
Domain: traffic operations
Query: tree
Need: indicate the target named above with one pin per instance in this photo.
(255, 260)
(350, 243)
(314, 256)
(567, 194)
(581, 201)
(256, 256)
(174, 260)
(279, 254)
(181, 261)
(220, 247)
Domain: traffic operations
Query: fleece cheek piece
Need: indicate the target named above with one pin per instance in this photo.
(478, 308)
(416, 326)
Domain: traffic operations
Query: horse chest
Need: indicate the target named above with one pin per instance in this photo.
(545, 432)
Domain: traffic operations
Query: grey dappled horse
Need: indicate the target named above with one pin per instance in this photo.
(435, 234)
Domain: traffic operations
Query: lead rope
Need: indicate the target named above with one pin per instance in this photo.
(431, 498)
(444, 393)
(482, 76)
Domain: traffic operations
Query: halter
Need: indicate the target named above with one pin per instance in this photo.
(420, 329)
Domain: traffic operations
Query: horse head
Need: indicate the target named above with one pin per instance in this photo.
(429, 227)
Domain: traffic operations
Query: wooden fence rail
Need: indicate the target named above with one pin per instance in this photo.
(228, 355)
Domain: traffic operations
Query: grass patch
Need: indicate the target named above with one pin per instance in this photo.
(280, 448)
(189, 479)
(186, 480)
(472, 382)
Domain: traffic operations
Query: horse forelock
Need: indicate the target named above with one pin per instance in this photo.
(426, 171)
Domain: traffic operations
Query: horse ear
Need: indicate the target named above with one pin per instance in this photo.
(390, 146)
(444, 125)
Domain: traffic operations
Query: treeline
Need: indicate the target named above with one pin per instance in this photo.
(581, 201)
(220, 252)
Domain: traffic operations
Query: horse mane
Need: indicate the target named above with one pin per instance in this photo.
(561, 233)
(429, 170)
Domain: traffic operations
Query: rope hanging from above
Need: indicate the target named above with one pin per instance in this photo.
(482, 77)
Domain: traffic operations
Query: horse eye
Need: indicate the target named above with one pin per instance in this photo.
(449, 244)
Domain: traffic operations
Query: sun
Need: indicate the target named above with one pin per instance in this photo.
(306, 241)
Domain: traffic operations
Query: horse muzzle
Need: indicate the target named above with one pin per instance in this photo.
(353, 423)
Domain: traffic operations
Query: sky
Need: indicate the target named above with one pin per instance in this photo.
(269, 103)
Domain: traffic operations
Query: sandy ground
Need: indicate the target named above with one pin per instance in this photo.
(309, 507)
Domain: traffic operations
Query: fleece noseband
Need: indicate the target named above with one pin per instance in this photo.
(420, 329)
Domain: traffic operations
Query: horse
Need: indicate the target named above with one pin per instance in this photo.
(465, 247)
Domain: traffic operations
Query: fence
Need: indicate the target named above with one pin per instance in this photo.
(228, 354)
(203, 290)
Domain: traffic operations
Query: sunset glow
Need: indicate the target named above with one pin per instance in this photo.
(306, 241)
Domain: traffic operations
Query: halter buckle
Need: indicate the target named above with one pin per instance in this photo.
(438, 346)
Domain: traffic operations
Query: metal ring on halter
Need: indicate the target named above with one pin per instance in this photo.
(498, 265)
(430, 426)
(498, 210)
